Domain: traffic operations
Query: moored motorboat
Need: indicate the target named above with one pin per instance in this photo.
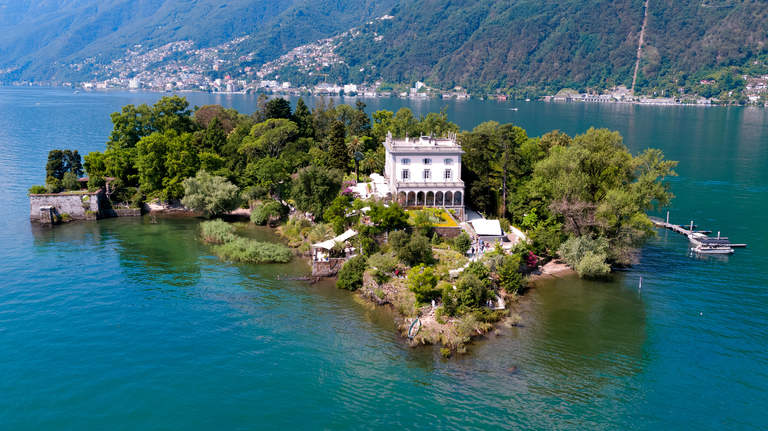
(712, 249)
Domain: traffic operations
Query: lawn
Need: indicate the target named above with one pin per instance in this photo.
(438, 217)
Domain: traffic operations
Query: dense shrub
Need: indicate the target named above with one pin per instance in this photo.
(422, 282)
(247, 250)
(411, 249)
(351, 274)
(269, 211)
(216, 231)
(383, 264)
(95, 183)
(70, 181)
(508, 273)
(37, 190)
(52, 185)
(255, 193)
(586, 256)
(137, 201)
(462, 243)
(210, 195)
(469, 293)
(480, 271)
(592, 265)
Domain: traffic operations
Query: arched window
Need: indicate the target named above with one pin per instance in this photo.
(430, 199)
(439, 199)
(457, 198)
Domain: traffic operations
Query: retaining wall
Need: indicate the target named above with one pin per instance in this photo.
(327, 268)
(122, 212)
(74, 204)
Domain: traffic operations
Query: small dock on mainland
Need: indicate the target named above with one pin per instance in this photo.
(688, 230)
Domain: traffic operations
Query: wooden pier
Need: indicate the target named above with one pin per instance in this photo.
(683, 231)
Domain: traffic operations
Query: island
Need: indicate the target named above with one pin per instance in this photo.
(446, 226)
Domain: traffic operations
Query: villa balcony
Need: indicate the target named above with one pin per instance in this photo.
(429, 185)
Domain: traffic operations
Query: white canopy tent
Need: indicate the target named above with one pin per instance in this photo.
(487, 227)
(341, 238)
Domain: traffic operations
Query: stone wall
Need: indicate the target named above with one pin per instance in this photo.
(444, 232)
(122, 212)
(74, 204)
(327, 268)
(448, 232)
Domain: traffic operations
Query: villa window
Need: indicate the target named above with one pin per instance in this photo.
(448, 161)
(405, 161)
(405, 174)
(448, 174)
(426, 174)
(427, 161)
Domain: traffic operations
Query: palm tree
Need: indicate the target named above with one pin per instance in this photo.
(372, 161)
(320, 232)
(354, 146)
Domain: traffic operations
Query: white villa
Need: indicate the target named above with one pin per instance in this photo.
(425, 171)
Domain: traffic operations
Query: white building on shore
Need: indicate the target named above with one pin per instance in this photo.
(425, 171)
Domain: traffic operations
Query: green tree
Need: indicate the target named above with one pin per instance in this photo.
(339, 157)
(411, 249)
(181, 162)
(56, 166)
(360, 123)
(73, 162)
(260, 114)
(70, 181)
(469, 293)
(315, 188)
(210, 195)
(481, 146)
(480, 271)
(336, 214)
(462, 243)
(508, 273)
(303, 119)
(268, 173)
(423, 223)
(152, 153)
(278, 108)
(422, 281)
(388, 218)
(268, 139)
(95, 164)
(214, 137)
(324, 116)
(351, 274)
(511, 138)
(373, 161)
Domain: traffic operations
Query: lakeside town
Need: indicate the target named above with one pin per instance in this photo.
(182, 67)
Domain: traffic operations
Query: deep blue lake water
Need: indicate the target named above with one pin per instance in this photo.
(123, 324)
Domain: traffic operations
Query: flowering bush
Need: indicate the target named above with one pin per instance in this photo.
(347, 192)
(531, 259)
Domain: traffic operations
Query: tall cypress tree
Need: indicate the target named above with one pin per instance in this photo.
(304, 120)
(338, 153)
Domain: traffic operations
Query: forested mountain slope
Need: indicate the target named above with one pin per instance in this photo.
(488, 44)
(523, 46)
(37, 34)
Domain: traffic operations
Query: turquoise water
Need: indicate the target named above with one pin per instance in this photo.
(123, 324)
